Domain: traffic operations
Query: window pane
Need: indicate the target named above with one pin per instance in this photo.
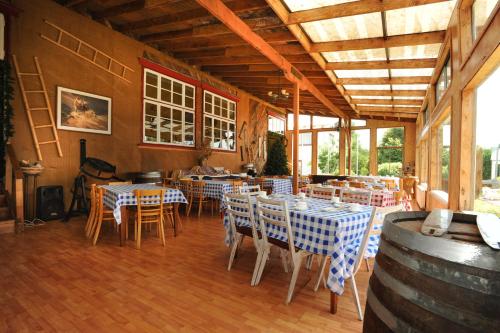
(360, 152)
(325, 122)
(166, 124)
(151, 91)
(481, 11)
(390, 151)
(487, 155)
(304, 121)
(150, 122)
(358, 123)
(443, 139)
(305, 153)
(276, 125)
(177, 126)
(328, 153)
(151, 79)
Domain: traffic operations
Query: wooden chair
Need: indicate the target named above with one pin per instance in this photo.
(236, 185)
(239, 207)
(357, 184)
(409, 186)
(93, 210)
(263, 185)
(336, 183)
(197, 196)
(250, 189)
(103, 214)
(361, 197)
(149, 211)
(168, 212)
(274, 213)
(128, 182)
(390, 184)
(185, 185)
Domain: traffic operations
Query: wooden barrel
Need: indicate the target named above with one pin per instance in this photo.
(432, 284)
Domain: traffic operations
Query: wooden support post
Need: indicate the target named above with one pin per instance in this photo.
(348, 134)
(296, 92)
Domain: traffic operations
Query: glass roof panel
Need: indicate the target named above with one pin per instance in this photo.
(409, 86)
(362, 73)
(372, 97)
(296, 5)
(412, 72)
(345, 28)
(430, 17)
(367, 86)
(414, 51)
(355, 55)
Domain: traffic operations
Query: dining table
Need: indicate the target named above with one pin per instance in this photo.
(120, 197)
(320, 230)
(278, 185)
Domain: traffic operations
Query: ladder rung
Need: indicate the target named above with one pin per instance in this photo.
(38, 109)
(30, 74)
(43, 126)
(34, 91)
(46, 142)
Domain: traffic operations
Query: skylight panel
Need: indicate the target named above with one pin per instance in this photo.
(412, 72)
(430, 17)
(409, 86)
(362, 73)
(426, 51)
(355, 55)
(371, 97)
(345, 28)
(367, 86)
(296, 5)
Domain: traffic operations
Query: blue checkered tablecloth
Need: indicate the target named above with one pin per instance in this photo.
(278, 185)
(123, 195)
(336, 234)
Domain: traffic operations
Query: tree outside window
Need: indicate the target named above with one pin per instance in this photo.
(360, 152)
(390, 151)
(328, 152)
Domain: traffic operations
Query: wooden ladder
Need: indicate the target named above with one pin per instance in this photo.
(46, 108)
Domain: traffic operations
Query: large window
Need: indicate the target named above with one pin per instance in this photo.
(219, 121)
(275, 124)
(325, 122)
(390, 151)
(304, 121)
(358, 123)
(360, 152)
(444, 80)
(168, 110)
(328, 153)
(305, 153)
(487, 152)
(481, 11)
(443, 149)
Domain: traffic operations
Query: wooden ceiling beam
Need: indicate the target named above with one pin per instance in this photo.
(283, 49)
(117, 10)
(416, 102)
(386, 80)
(380, 42)
(392, 64)
(232, 21)
(375, 92)
(247, 60)
(191, 15)
(275, 73)
(414, 110)
(389, 114)
(352, 8)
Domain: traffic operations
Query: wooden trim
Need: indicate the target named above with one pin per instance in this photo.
(164, 147)
(145, 63)
(219, 92)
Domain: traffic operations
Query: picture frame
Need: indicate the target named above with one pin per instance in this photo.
(83, 112)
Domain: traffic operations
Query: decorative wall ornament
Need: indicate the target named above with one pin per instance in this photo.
(83, 112)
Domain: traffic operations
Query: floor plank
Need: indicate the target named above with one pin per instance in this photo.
(52, 279)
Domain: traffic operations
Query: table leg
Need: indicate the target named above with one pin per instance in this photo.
(123, 225)
(177, 218)
(333, 302)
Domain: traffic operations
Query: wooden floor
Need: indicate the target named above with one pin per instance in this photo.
(52, 279)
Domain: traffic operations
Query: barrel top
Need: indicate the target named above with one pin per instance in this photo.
(469, 254)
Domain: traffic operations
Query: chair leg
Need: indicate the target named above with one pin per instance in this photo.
(284, 259)
(258, 260)
(200, 206)
(138, 238)
(162, 230)
(321, 272)
(97, 231)
(234, 248)
(309, 262)
(262, 264)
(367, 265)
(356, 298)
(293, 281)
(188, 208)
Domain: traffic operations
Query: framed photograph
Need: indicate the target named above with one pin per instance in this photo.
(83, 112)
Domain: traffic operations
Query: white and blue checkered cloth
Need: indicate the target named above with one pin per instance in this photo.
(123, 195)
(279, 185)
(336, 234)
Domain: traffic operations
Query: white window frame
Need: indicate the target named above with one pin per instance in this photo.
(227, 119)
(159, 103)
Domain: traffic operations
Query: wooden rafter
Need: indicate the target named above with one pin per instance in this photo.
(232, 21)
(386, 80)
(380, 42)
(389, 109)
(389, 114)
(392, 64)
(124, 8)
(352, 8)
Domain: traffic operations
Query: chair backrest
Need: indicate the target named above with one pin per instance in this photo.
(275, 213)
(239, 206)
(250, 189)
(128, 182)
(337, 183)
(357, 184)
(359, 196)
(197, 188)
(326, 193)
(389, 183)
(377, 218)
(236, 184)
(149, 205)
(408, 184)
(185, 185)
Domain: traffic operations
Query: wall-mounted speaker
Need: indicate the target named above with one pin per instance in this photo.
(49, 202)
